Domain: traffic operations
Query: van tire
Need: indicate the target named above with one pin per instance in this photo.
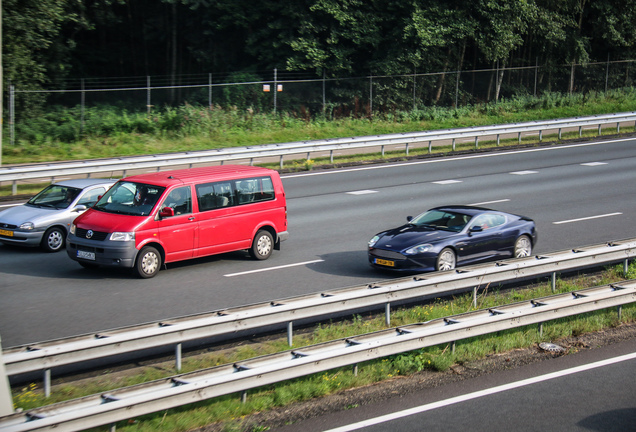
(262, 245)
(148, 262)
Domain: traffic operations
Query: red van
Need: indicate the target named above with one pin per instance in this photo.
(147, 220)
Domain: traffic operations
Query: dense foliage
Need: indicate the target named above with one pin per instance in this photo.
(49, 41)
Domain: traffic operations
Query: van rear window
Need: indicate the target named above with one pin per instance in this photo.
(234, 192)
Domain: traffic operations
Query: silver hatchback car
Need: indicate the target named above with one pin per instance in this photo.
(44, 220)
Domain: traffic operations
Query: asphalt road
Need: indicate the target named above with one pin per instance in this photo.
(578, 195)
(588, 391)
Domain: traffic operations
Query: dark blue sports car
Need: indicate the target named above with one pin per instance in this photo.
(445, 237)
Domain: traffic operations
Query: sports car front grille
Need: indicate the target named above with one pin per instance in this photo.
(96, 235)
(381, 253)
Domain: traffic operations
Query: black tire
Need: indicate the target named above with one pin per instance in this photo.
(262, 246)
(53, 239)
(523, 247)
(148, 262)
(446, 260)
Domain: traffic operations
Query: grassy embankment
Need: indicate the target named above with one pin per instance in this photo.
(110, 133)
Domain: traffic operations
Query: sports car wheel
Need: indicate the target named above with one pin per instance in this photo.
(523, 247)
(446, 260)
(148, 262)
(53, 239)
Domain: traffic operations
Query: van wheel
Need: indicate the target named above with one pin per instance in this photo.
(53, 239)
(148, 262)
(262, 246)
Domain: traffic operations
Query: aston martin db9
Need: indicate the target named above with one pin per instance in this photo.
(446, 237)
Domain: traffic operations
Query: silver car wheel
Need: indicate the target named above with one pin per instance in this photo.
(446, 260)
(53, 240)
(523, 247)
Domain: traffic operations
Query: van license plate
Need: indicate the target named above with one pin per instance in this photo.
(385, 262)
(86, 255)
(6, 233)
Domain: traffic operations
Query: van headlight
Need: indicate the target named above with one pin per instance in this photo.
(418, 249)
(122, 236)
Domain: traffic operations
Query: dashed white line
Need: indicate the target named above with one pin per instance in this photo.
(489, 202)
(445, 182)
(481, 393)
(362, 192)
(273, 268)
(591, 164)
(587, 218)
(523, 172)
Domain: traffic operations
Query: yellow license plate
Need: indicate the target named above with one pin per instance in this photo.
(384, 262)
(6, 233)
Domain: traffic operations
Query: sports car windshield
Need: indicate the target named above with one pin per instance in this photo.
(55, 196)
(439, 219)
(128, 198)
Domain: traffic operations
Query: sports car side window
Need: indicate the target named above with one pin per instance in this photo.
(488, 220)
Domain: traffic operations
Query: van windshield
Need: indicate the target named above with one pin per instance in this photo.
(128, 198)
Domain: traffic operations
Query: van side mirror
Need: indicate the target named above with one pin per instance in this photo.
(166, 212)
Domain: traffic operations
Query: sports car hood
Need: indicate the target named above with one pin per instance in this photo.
(409, 235)
(22, 213)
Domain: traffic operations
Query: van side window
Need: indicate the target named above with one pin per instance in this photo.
(234, 192)
(215, 195)
(180, 200)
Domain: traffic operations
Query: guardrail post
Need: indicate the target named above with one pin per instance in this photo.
(498, 139)
(47, 382)
(625, 267)
(6, 401)
(559, 133)
(177, 355)
(540, 329)
(580, 131)
(475, 297)
(382, 151)
(454, 143)
(387, 314)
(112, 428)
(14, 187)
(618, 128)
(540, 135)
(308, 154)
(519, 138)
(599, 130)
(476, 142)
(453, 346)
(281, 161)
(330, 157)
(407, 149)
(290, 333)
(430, 147)
(619, 311)
(553, 281)
(244, 396)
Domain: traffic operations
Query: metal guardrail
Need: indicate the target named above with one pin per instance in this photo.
(49, 354)
(163, 161)
(134, 401)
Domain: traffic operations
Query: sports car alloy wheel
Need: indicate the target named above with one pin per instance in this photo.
(523, 247)
(446, 260)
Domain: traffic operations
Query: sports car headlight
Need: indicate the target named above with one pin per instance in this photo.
(418, 249)
(27, 226)
(373, 241)
(122, 236)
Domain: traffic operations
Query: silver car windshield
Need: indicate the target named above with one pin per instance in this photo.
(129, 198)
(55, 196)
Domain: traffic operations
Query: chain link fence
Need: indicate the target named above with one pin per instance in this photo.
(306, 96)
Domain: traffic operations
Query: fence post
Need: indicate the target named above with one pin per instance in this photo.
(6, 401)
(12, 113)
(82, 105)
(148, 105)
(275, 87)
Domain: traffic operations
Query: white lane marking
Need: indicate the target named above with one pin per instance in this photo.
(489, 202)
(587, 218)
(445, 182)
(273, 268)
(523, 172)
(362, 192)
(481, 393)
(594, 164)
(450, 159)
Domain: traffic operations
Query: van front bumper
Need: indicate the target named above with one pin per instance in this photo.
(103, 253)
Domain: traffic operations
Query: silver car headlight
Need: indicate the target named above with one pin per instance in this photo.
(122, 236)
(418, 249)
(373, 241)
(27, 226)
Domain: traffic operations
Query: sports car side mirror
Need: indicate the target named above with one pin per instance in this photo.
(476, 228)
(409, 218)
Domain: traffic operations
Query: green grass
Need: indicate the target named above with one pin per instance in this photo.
(229, 410)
